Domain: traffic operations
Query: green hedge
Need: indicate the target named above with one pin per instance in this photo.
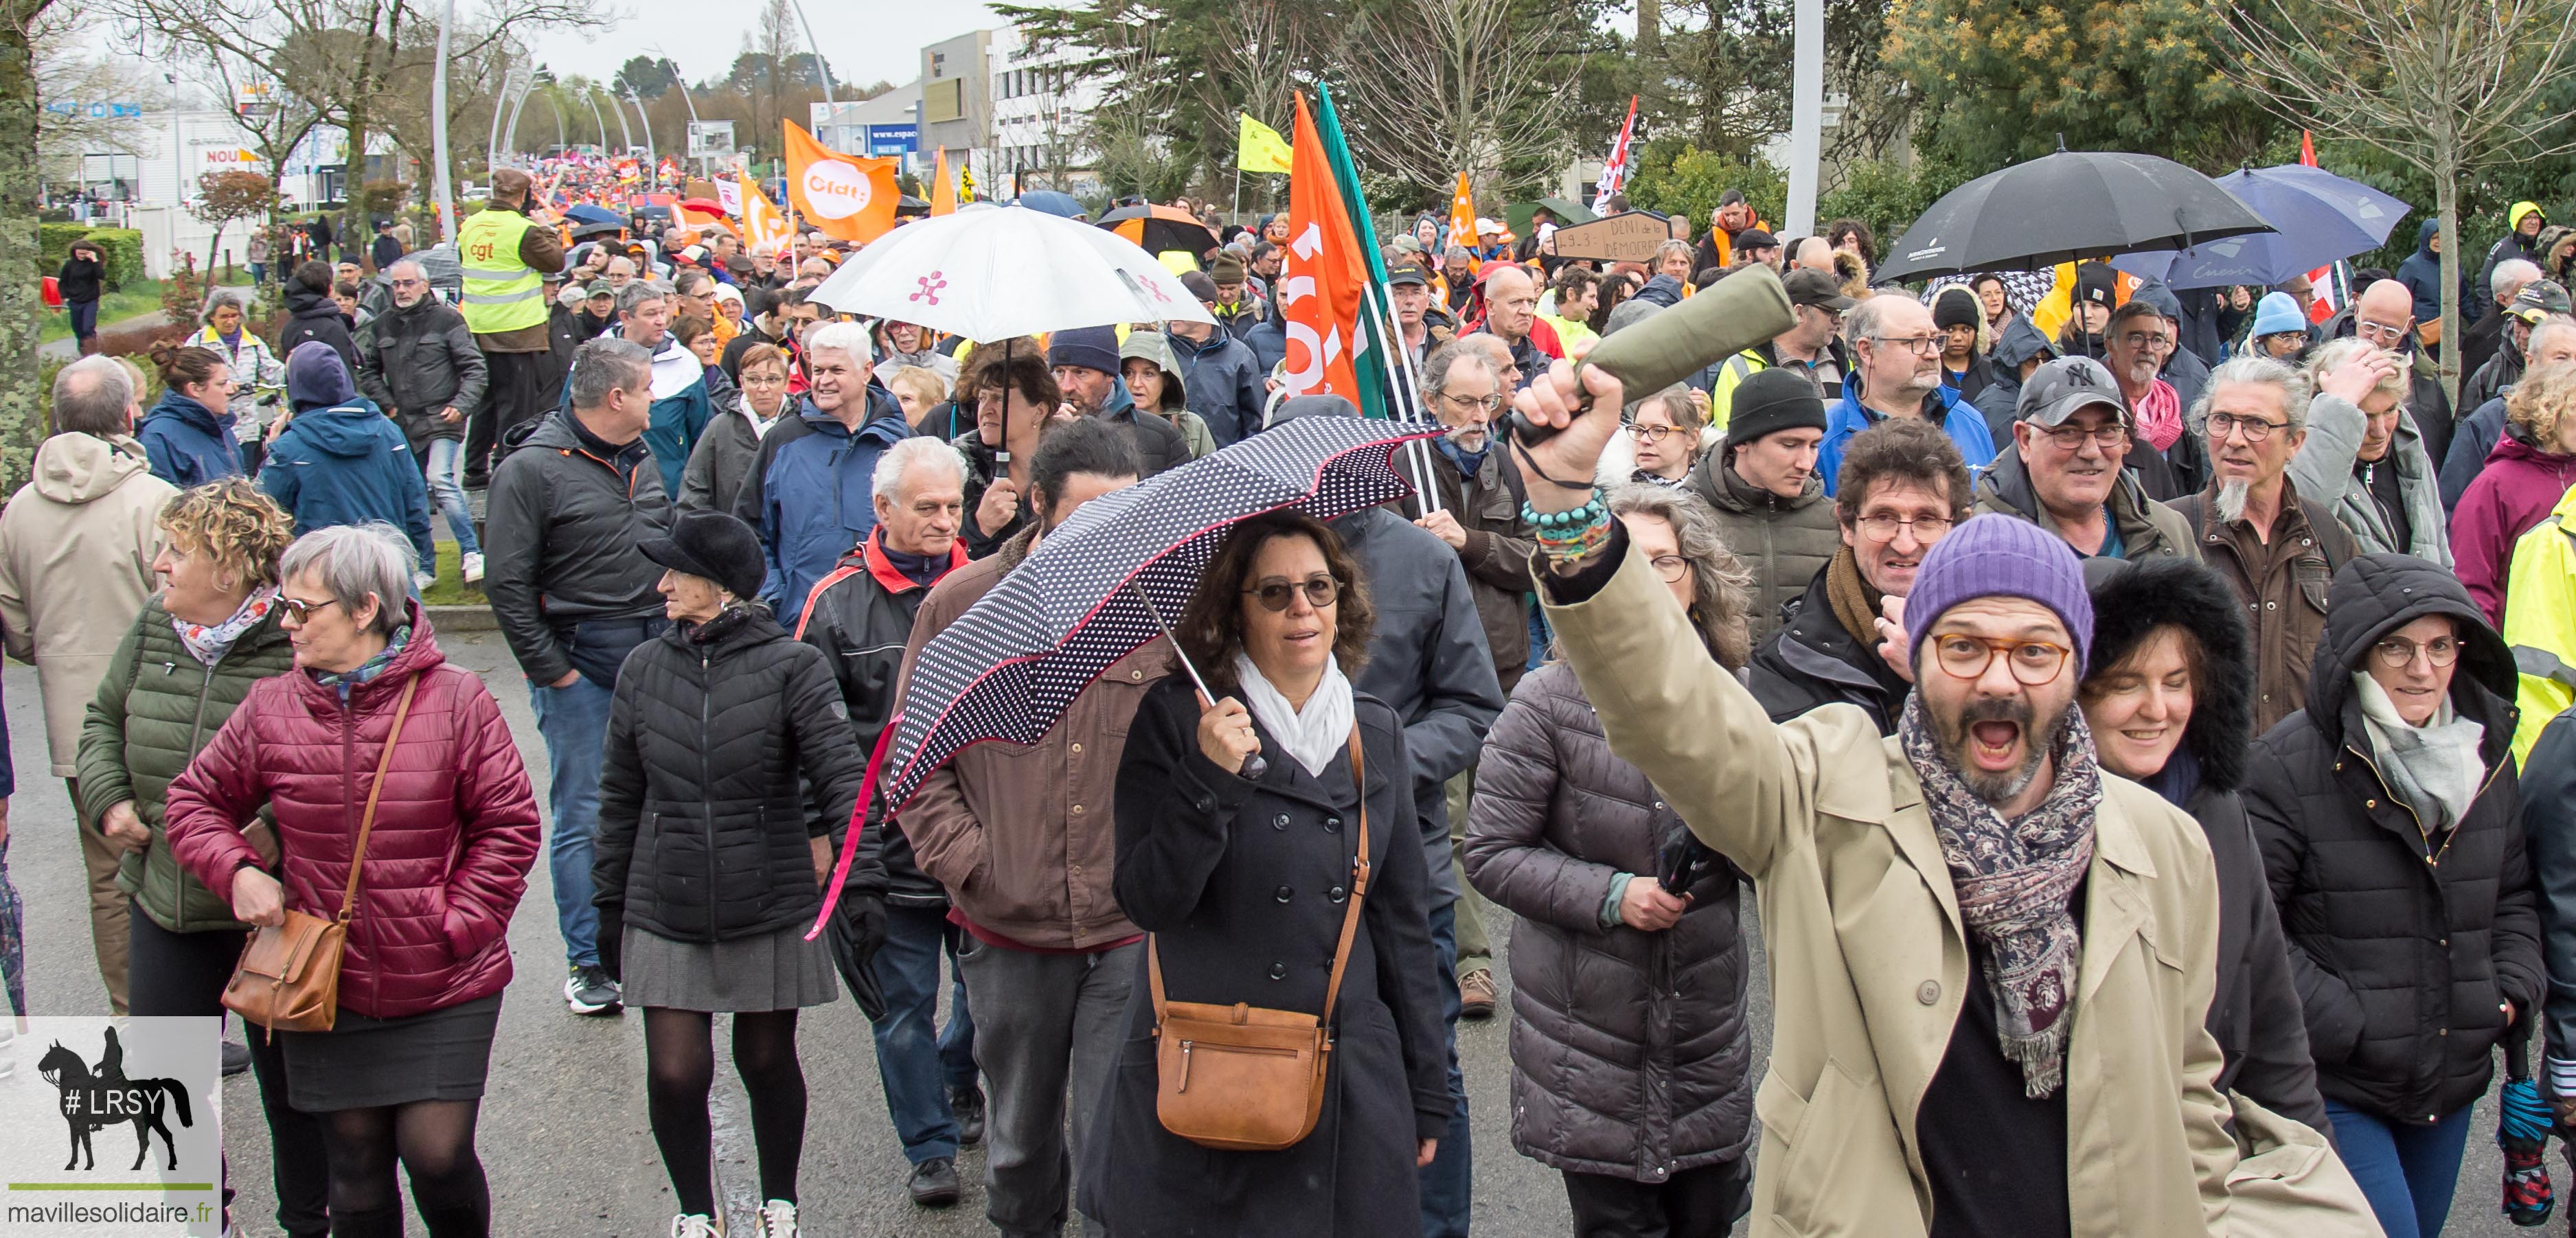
(122, 247)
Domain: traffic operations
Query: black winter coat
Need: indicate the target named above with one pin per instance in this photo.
(1631, 1055)
(314, 315)
(561, 543)
(2403, 946)
(860, 617)
(2254, 1011)
(414, 362)
(1812, 661)
(703, 833)
(1243, 885)
(80, 279)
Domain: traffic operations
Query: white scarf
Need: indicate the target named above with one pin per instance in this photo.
(1313, 734)
(2433, 767)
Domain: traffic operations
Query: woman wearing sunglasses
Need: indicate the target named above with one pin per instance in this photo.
(375, 736)
(2390, 823)
(1244, 883)
(1637, 1091)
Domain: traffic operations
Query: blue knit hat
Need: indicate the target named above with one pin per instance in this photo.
(1092, 348)
(2276, 313)
(1995, 555)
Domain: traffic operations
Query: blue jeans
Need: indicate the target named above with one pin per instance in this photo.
(574, 722)
(2407, 1171)
(447, 493)
(917, 1061)
(1449, 1181)
(84, 319)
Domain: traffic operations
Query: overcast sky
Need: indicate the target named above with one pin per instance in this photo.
(863, 40)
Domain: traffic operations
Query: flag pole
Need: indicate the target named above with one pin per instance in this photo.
(1398, 377)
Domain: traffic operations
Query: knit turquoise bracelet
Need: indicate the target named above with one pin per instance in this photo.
(1569, 535)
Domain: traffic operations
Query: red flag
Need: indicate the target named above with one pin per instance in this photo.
(1614, 170)
(1321, 277)
(2326, 282)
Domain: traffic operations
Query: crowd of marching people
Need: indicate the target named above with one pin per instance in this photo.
(2214, 659)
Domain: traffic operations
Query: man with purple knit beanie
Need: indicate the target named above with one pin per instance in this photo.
(1991, 959)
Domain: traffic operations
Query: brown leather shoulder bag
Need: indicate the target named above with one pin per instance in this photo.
(1242, 1078)
(288, 979)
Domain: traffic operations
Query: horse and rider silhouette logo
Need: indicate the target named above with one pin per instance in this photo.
(94, 1101)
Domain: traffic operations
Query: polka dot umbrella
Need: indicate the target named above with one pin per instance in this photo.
(1104, 584)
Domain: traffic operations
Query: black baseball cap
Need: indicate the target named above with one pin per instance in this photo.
(1406, 273)
(1815, 288)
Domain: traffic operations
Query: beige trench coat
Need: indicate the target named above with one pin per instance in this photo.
(1869, 961)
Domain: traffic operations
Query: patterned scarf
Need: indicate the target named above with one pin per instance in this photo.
(369, 669)
(208, 642)
(2160, 415)
(2014, 880)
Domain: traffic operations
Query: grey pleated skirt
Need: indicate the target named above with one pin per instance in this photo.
(362, 1063)
(774, 971)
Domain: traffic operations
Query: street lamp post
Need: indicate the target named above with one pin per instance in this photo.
(441, 188)
(500, 104)
(650, 155)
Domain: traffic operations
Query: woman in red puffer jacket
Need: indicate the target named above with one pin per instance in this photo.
(446, 860)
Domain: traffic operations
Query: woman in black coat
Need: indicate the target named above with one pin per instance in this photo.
(1243, 884)
(708, 868)
(2169, 699)
(1631, 1051)
(2391, 828)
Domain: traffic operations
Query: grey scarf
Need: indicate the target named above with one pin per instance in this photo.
(2014, 880)
(2433, 767)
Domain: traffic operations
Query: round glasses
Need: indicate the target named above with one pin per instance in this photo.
(1275, 595)
(1884, 528)
(1671, 567)
(2256, 429)
(2033, 663)
(2397, 653)
(1649, 434)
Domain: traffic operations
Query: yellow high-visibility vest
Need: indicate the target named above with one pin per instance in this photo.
(502, 293)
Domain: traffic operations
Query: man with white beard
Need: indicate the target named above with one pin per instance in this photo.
(2276, 549)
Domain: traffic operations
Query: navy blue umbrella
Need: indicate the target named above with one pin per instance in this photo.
(1048, 200)
(1101, 585)
(588, 214)
(2317, 218)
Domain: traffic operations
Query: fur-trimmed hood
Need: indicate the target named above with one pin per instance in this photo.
(2132, 599)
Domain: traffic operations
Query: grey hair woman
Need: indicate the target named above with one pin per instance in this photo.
(222, 328)
(1641, 1099)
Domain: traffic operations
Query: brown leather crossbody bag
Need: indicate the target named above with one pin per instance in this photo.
(288, 979)
(1243, 1078)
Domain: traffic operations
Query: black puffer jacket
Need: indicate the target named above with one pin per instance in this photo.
(567, 516)
(1630, 1051)
(703, 832)
(2402, 947)
(314, 315)
(2254, 1013)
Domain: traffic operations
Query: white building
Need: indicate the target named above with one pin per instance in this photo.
(1042, 105)
(888, 125)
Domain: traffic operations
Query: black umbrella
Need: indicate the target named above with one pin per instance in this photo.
(1099, 586)
(1159, 229)
(2063, 208)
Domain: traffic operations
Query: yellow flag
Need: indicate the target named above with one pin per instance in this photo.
(1259, 148)
(943, 192)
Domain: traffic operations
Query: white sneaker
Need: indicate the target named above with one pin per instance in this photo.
(696, 1225)
(473, 568)
(777, 1219)
(422, 581)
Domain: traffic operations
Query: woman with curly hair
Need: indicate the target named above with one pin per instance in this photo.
(211, 633)
(1243, 877)
(1634, 1085)
(2525, 476)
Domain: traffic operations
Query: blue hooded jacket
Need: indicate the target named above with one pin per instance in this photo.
(342, 461)
(2422, 275)
(1961, 420)
(188, 444)
(811, 495)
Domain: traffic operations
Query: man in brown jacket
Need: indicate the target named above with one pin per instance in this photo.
(2276, 549)
(524, 382)
(1024, 840)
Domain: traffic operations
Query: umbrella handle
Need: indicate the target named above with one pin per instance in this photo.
(858, 820)
(1253, 764)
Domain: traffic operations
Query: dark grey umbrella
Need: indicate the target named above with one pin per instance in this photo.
(2063, 208)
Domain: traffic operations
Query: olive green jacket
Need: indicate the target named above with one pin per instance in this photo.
(156, 706)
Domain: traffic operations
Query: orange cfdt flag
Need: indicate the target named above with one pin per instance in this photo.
(763, 226)
(943, 192)
(1320, 282)
(845, 196)
(1462, 217)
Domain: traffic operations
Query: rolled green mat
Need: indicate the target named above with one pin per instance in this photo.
(1717, 322)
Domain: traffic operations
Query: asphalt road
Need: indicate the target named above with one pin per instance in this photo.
(563, 1133)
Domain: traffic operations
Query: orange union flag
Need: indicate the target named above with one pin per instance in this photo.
(847, 197)
(1319, 285)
